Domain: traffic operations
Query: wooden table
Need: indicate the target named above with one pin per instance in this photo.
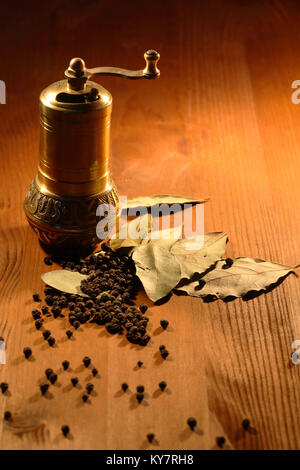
(220, 123)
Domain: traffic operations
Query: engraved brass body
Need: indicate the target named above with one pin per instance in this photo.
(73, 175)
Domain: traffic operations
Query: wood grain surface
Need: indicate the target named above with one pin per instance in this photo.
(219, 123)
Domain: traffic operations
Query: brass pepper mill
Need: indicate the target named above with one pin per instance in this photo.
(73, 175)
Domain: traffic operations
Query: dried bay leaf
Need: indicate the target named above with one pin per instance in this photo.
(149, 201)
(199, 260)
(157, 268)
(122, 239)
(246, 275)
(65, 281)
(143, 226)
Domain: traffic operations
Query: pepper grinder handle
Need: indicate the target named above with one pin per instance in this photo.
(77, 73)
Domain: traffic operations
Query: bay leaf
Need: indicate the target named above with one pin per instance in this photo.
(199, 260)
(65, 281)
(123, 237)
(246, 275)
(148, 201)
(157, 268)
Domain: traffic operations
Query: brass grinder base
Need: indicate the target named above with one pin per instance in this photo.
(66, 224)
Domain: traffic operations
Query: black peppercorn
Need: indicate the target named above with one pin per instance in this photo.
(44, 388)
(53, 378)
(162, 347)
(162, 385)
(164, 324)
(140, 388)
(246, 424)
(46, 334)
(51, 341)
(36, 314)
(150, 437)
(124, 386)
(74, 381)
(220, 441)
(65, 364)
(139, 363)
(45, 309)
(140, 397)
(143, 308)
(49, 300)
(27, 352)
(4, 387)
(85, 398)
(86, 361)
(192, 423)
(38, 324)
(76, 324)
(164, 353)
(69, 333)
(89, 388)
(48, 372)
(7, 415)
(94, 372)
(48, 261)
(36, 297)
(56, 311)
(65, 430)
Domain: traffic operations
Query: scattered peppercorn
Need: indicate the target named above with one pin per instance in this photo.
(51, 341)
(48, 372)
(53, 378)
(36, 297)
(44, 388)
(74, 381)
(38, 324)
(192, 423)
(46, 334)
(164, 353)
(45, 310)
(76, 324)
(85, 398)
(140, 363)
(150, 437)
(140, 397)
(48, 261)
(65, 430)
(246, 424)
(162, 347)
(124, 386)
(36, 314)
(220, 441)
(27, 352)
(89, 388)
(65, 364)
(164, 324)
(4, 387)
(143, 308)
(86, 361)
(69, 333)
(162, 385)
(140, 388)
(7, 415)
(94, 372)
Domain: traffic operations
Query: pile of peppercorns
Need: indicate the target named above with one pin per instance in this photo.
(111, 286)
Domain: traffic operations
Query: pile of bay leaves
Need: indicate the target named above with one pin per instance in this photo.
(166, 263)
